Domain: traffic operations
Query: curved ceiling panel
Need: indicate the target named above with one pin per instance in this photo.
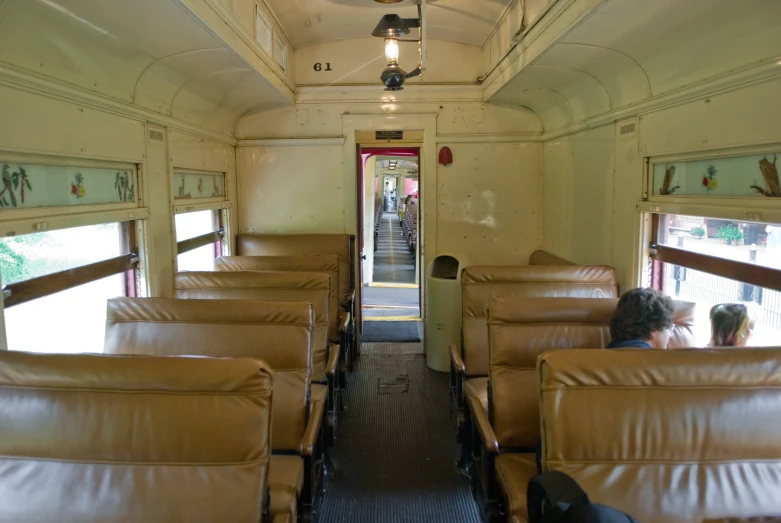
(309, 22)
(218, 100)
(622, 77)
(552, 108)
(584, 94)
(681, 43)
(160, 82)
(152, 53)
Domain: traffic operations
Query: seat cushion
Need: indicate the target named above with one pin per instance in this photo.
(513, 472)
(285, 481)
(477, 388)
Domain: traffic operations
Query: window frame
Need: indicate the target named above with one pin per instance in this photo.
(129, 215)
(43, 286)
(217, 236)
(758, 209)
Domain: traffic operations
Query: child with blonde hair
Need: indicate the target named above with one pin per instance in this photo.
(731, 325)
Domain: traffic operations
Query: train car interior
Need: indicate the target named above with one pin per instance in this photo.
(288, 261)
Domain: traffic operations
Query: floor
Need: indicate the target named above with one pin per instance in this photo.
(384, 302)
(393, 263)
(394, 459)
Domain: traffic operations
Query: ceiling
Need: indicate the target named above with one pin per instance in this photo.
(404, 165)
(151, 53)
(310, 22)
(627, 51)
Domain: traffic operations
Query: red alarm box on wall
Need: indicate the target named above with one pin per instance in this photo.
(445, 156)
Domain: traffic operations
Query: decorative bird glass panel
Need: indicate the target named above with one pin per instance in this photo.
(754, 175)
(28, 185)
(198, 186)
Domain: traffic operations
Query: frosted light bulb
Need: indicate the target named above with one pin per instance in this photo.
(392, 50)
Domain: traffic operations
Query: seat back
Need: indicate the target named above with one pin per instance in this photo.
(306, 287)
(683, 326)
(303, 245)
(94, 438)
(539, 257)
(328, 265)
(669, 436)
(479, 284)
(520, 329)
(278, 333)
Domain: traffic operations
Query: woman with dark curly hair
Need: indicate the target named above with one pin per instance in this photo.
(643, 318)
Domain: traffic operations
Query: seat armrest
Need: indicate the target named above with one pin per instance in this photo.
(332, 364)
(483, 426)
(282, 518)
(456, 361)
(312, 432)
(344, 321)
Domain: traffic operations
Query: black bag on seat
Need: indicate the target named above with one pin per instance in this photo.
(554, 497)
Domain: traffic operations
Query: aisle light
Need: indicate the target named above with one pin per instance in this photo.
(391, 28)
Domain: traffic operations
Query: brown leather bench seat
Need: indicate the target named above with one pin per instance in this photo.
(307, 287)
(338, 319)
(480, 284)
(279, 333)
(520, 329)
(667, 436)
(341, 245)
(94, 438)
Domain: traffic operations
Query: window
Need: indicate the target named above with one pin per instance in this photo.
(199, 240)
(710, 261)
(57, 284)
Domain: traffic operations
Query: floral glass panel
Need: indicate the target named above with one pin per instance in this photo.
(25, 185)
(745, 176)
(193, 186)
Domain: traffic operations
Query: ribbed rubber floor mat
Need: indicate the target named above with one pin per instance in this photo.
(395, 456)
(393, 331)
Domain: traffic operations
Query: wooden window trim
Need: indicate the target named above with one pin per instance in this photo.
(34, 288)
(734, 270)
(199, 241)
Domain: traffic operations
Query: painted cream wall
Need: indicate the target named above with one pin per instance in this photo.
(491, 191)
(593, 179)
(324, 119)
(47, 125)
(291, 188)
(489, 207)
(578, 196)
(361, 60)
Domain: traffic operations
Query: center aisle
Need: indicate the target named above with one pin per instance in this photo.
(393, 263)
(395, 455)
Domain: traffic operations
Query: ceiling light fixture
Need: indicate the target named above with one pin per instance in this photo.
(392, 28)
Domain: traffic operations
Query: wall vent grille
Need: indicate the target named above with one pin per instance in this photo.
(627, 129)
(156, 137)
